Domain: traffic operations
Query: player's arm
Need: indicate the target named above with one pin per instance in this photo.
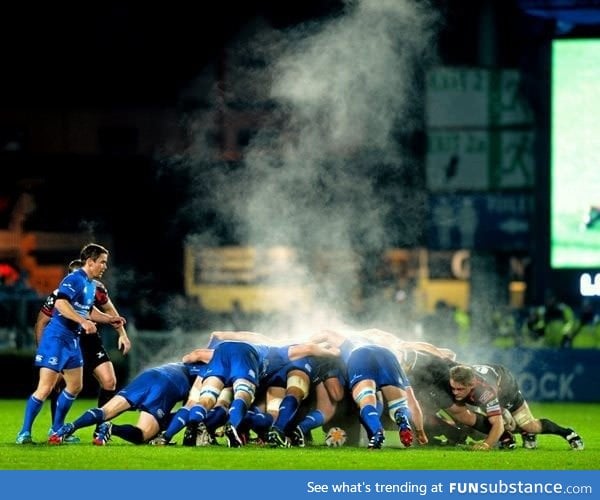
(198, 355)
(325, 403)
(124, 344)
(297, 351)
(330, 337)
(64, 307)
(44, 316)
(242, 336)
(416, 415)
(461, 414)
(448, 353)
(40, 323)
(110, 319)
(430, 348)
(494, 435)
(334, 388)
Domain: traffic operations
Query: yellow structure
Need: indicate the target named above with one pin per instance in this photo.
(260, 280)
(272, 279)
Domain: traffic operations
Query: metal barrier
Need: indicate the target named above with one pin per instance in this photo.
(151, 347)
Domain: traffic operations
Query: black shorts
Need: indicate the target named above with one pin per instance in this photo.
(93, 351)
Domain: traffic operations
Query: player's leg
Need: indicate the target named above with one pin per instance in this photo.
(531, 426)
(96, 361)
(202, 398)
(46, 382)
(98, 417)
(143, 431)
(297, 389)
(364, 394)
(203, 433)
(60, 385)
(73, 384)
(262, 413)
(321, 411)
(244, 391)
(104, 373)
(399, 412)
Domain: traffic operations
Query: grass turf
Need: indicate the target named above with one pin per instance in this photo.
(553, 452)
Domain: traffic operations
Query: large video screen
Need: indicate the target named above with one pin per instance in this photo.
(575, 154)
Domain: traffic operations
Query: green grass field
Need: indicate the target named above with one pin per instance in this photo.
(553, 452)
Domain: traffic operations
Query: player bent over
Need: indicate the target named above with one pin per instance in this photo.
(492, 388)
(154, 392)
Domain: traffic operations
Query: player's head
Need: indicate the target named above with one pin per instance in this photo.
(74, 265)
(462, 380)
(95, 260)
(92, 251)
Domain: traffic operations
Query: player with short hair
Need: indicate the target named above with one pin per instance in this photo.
(494, 387)
(59, 351)
(96, 358)
(430, 379)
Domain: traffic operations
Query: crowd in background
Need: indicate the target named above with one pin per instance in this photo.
(554, 324)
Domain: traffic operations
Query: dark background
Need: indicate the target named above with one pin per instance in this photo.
(73, 56)
(117, 57)
(127, 54)
(122, 55)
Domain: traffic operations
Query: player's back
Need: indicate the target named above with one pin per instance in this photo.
(272, 359)
(426, 369)
(490, 374)
(175, 375)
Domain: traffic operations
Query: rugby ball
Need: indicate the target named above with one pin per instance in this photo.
(335, 437)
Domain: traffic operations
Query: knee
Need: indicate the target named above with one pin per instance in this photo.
(74, 388)
(109, 384)
(532, 426)
(106, 377)
(244, 390)
(44, 389)
(42, 392)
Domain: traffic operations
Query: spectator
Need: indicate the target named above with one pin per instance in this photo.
(587, 333)
(554, 322)
(440, 327)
